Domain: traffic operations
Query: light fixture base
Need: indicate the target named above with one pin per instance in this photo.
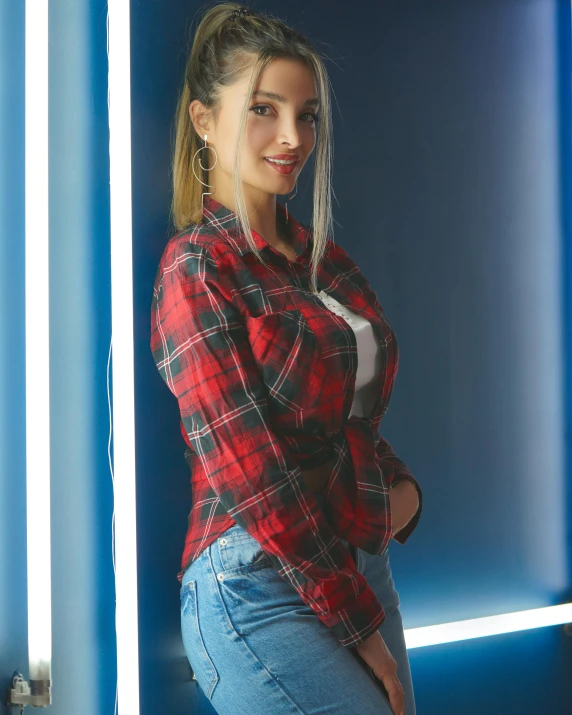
(37, 693)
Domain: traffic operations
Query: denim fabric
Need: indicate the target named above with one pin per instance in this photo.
(256, 648)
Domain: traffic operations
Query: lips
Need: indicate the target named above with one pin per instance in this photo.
(282, 168)
(286, 157)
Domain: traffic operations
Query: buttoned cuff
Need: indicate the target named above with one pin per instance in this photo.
(359, 620)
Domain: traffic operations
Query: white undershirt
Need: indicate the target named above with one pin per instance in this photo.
(369, 355)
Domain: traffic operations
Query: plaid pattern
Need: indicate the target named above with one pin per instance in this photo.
(264, 376)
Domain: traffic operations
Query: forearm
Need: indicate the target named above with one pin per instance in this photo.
(404, 500)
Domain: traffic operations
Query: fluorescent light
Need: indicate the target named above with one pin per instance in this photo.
(37, 343)
(122, 341)
(488, 626)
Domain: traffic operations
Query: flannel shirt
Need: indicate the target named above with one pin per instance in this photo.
(264, 376)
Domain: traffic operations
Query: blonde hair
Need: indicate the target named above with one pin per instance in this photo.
(223, 49)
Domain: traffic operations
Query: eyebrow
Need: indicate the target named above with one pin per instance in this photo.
(279, 98)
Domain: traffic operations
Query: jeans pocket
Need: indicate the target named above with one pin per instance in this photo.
(241, 554)
(204, 669)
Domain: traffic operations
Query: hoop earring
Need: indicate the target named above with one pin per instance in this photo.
(204, 168)
(291, 197)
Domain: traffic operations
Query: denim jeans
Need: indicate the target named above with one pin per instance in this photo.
(255, 647)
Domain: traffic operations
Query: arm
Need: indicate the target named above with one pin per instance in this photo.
(359, 491)
(396, 471)
(393, 470)
(201, 349)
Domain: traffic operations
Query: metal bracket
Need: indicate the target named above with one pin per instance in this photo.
(37, 693)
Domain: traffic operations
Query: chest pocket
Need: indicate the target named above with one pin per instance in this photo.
(289, 358)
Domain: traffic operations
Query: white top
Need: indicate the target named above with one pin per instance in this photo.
(369, 355)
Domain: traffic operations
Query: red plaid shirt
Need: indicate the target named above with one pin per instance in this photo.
(264, 375)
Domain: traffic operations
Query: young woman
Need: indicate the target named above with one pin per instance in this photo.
(283, 363)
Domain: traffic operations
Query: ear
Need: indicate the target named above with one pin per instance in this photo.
(200, 117)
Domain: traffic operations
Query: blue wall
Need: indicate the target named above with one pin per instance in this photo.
(452, 138)
(80, 314)
(447, 143)
(13, 617)
(83, 593)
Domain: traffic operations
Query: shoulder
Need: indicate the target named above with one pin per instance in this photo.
(194, 239)
(198, 256)
(345, 265)
(194, 244)
(338, 255)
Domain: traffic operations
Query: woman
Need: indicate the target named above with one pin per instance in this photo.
(258, 321)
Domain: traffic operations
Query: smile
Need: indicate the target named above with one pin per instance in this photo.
(282, 166)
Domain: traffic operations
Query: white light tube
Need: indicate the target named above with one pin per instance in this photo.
(488, 626)
(37, 342)
(122, 350)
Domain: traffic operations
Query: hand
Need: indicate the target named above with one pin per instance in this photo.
(404, 502)
(375, 653)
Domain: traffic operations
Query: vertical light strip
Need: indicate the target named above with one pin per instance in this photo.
(37, 342)
(122, 352)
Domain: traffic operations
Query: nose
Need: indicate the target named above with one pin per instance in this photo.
(289, 133)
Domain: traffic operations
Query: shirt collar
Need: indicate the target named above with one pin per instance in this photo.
(226, 224)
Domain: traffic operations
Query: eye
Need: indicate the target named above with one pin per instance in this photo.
(253, 109)
(313, 117)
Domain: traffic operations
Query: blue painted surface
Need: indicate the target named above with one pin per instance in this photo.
(13, 612)
(83, 592)
(563, 19)
(82, 569)
(447, 139)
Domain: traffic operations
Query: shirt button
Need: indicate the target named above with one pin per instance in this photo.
(220, 576)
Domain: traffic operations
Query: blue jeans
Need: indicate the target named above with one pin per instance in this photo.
(256, 648)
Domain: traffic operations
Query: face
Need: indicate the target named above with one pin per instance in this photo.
(283, 123)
